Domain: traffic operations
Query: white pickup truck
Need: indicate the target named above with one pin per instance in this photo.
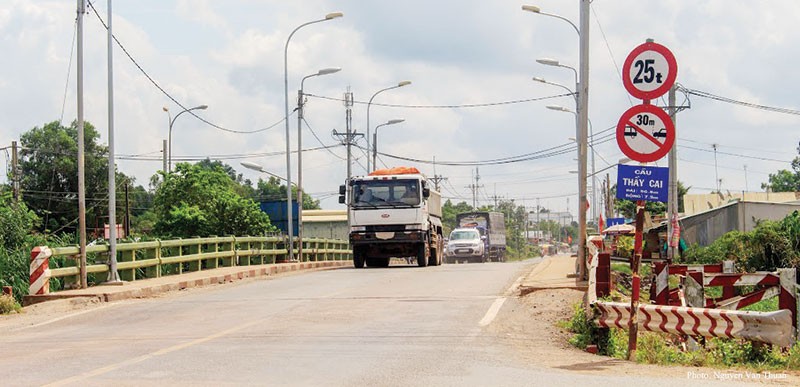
(393, 213)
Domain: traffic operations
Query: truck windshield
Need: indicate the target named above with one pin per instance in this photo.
(385, 193)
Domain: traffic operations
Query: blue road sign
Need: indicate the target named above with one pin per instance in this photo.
(643, 183)
(614, 221)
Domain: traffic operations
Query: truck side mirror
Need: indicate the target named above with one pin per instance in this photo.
(426, 192)
(341, 199)
(342, 189)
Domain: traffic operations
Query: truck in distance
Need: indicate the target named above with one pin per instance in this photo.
(393, 213)
(492, 228)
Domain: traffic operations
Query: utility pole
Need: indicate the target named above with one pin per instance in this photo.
(164, 153)
(436, 180)
(474, 188)
(81, 157)
(127, 222)
(672, 198)
(113, 276)
(609, 199)
(583, 113)
(15, 171)
(716, 172)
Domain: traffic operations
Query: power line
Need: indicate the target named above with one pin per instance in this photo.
(171, 98)
(474, 105)
(715, 97)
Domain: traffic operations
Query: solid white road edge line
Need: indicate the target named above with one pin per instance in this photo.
(498, 303)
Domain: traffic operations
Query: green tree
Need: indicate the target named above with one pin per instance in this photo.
(785, 180)
(273, 190)
(48, 160)
(449, 212)
(16, 222)
(202, 200)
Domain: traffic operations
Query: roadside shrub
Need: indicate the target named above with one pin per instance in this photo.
(625, 246)
(8, 304)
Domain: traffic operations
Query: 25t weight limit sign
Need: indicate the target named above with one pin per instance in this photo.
(649, 71)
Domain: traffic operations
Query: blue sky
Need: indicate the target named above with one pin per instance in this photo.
(229, 56)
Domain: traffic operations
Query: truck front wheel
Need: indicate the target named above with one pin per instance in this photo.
(358, 258)
(422, 255)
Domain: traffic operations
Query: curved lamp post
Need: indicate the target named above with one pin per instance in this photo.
(330, 16)
(171, 122)
(375, 140)
(399, 84)
(583, 114)
(325, 71)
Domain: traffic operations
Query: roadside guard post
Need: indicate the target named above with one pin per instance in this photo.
(40, 270)
(645, 133)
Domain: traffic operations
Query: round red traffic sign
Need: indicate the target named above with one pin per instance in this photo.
(649, 71)
(645, 133)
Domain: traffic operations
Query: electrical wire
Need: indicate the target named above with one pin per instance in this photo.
(474, 105)
(169, 96)
(69, 69)
(715, 97)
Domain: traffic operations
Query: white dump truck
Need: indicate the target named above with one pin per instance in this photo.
(393, 213)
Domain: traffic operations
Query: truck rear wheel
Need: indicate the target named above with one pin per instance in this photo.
(358, 258)
(422, 255)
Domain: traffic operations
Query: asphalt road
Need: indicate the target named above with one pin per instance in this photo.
(401, 325)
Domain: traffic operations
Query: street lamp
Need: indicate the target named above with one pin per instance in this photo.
(259, 168)
(591, 145)
(572, 92)
(327, 17)
(325, 71)
(172, 121)
(535, 9)
(400, 84)
(375, 140)
(555, 63)
(582, 90)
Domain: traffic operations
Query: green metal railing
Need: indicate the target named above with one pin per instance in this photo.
(141, 260)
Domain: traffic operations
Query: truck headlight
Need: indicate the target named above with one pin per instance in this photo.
(358, 228)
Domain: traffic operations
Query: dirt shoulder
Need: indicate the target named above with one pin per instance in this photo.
(530, 325)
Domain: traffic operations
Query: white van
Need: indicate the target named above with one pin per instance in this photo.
(465, 244)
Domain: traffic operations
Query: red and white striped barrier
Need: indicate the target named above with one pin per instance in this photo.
(768, 327)
(40, 271)
(740, 279)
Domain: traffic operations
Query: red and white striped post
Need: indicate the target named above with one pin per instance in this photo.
(787, 298)
(40, 270)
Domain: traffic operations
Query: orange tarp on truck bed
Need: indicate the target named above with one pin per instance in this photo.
(395, 171)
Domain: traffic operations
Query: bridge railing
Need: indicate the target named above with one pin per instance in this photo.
(141, 260)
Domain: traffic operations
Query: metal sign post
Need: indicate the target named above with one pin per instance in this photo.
(645, 133)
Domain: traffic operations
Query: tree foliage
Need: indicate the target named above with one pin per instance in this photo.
(16, 222)
(203, 200)
(785, 180)
(48, 160)
(449, 212)
(768, 246)
(49, 164)
(273, 190)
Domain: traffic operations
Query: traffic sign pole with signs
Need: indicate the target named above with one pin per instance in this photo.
(645, 133)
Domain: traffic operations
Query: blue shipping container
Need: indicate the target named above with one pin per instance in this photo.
(277, 215)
